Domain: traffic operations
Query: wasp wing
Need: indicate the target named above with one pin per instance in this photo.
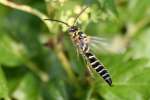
(100, 44)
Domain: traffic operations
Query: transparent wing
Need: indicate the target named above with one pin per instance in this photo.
(102, 44)
(99, 44)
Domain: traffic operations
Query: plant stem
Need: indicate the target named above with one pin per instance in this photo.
(27, 9)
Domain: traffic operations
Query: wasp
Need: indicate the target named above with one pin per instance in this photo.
(82, 42)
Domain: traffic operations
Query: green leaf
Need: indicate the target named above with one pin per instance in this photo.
(57, 90)
(9, 51)
(140, 47)
(138, 10)
(3, 85)
(130, 81)
(28, 89)
(109, 5)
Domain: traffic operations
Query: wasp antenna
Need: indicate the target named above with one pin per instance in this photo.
(59, 21)
(79, 15)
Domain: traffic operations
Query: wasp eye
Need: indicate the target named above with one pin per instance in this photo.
(73, 29)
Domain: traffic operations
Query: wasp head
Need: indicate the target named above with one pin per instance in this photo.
(73, 29)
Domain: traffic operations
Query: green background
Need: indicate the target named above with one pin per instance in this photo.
(31, 71)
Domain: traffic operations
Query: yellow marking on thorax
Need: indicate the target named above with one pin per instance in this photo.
(75, 37)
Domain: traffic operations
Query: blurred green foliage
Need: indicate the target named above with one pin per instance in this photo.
(30, 71)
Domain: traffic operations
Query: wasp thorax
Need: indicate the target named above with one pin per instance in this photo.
(73, 29)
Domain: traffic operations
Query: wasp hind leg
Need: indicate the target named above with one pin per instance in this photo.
(89, 71)
(78, 53)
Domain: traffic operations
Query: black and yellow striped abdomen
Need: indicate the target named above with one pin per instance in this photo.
(95, 64)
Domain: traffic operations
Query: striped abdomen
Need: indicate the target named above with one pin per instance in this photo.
(95, 63)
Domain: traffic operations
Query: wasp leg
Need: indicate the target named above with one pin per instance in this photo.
(89, 70)
(78, 53)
